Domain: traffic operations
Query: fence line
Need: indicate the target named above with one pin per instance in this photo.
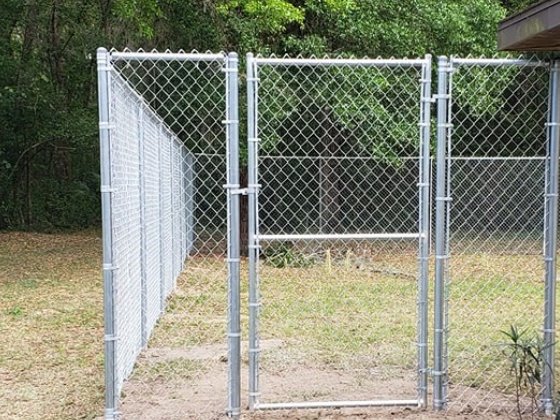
(152, 199)
(338, 178)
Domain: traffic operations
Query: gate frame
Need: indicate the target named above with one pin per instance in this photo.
(423, 234)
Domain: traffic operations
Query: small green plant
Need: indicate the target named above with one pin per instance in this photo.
(525, 354)
(284, 255)
(16, 311)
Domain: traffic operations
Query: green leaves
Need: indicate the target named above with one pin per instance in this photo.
(525, 354)
(268, 16)
(141, 13)
(286, 255)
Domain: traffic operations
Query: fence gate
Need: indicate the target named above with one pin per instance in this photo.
(339, 232)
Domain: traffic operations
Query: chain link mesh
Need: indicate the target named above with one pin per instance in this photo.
(168, 161)
(495, 276)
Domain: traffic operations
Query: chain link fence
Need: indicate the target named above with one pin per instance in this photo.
(167, 121)
(496, 162)
(385, 247)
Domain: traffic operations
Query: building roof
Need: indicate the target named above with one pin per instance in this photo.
(536, 28)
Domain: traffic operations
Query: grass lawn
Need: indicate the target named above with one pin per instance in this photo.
(329, 317)
(51, 350)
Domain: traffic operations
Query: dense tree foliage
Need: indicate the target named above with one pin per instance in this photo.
(48, 118)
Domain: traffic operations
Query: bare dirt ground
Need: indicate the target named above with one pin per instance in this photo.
(202, 396)
(335, 332)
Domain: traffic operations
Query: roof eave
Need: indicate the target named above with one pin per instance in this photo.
(536, 28)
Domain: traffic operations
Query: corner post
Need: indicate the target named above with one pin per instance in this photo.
(233, 222)
(551, 236)
(439, 371)
(103, 94)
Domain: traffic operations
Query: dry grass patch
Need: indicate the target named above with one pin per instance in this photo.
(351, 321)
(51, 352)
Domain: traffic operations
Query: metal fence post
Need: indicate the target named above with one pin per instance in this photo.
(172, 209)
(104, 86)
(252, 181)
(550, 232)
(162, 287)
(440, 399)
(233, 238)
(424, 230)
(143, 241)
(190, 204)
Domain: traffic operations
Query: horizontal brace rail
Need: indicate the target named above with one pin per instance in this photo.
(341, 62)
(313, 157)
(336, 404)
(378, 160)
(139, 56)
(494, 158)
(496, 62)
(303, 237)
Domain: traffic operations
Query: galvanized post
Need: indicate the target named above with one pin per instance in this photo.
(184, 208)
(551, 233)
(143, 242)
(172, 209)
(233, 252)
(446, 276)
(190, 202)
(252, 181)
(424, 230)
(185, 213)
(439, 370)
(162, 296)
(103, 89)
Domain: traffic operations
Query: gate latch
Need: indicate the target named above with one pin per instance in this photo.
(240, 191)
(234, 189)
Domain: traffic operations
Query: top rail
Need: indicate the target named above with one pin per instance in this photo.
(373, 62)
(152, 56)
(497, 62)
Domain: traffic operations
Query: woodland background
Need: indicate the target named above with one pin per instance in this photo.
(49, 157)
